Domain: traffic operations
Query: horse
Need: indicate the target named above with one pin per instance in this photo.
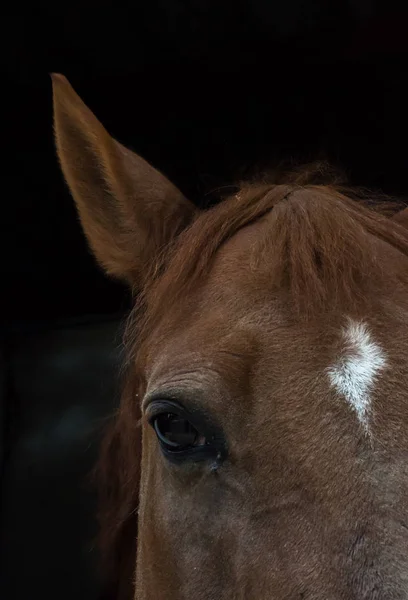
(260, 450)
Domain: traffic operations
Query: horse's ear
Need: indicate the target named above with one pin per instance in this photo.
(401, 217)
(128, 210)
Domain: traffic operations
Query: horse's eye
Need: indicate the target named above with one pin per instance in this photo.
(175, 433)
(185, 436)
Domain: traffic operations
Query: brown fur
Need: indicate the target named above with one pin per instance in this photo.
(249, 298)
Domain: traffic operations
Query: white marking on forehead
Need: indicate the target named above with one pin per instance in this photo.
(355, 374)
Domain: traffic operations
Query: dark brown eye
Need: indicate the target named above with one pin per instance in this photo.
(175, 432)
(186, 435)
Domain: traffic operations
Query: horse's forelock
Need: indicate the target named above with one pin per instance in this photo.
(317, 233)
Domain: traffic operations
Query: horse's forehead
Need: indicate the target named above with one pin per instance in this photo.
(357, 369)
(235, 254)
(235, 286)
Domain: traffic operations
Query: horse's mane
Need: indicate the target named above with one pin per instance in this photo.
(319, 245)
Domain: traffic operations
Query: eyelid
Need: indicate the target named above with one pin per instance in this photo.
(197, 418)
(171, 395)
(159, 405)
(190, 395)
